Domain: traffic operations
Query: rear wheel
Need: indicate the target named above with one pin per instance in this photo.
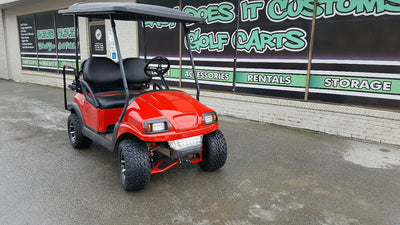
(215, 154)
(134, 164)
(77, 139)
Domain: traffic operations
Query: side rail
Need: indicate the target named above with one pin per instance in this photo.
(72, 87)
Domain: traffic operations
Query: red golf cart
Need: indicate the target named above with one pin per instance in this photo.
(153, 129)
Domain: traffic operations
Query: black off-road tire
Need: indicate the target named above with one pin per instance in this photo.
(77, 139)
(215, 154)
(133, 164)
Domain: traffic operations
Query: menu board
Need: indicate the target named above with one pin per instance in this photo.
(26, 25)
(98, 40)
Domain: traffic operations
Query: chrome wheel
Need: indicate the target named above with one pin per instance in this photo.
(72, 131)
(77, 139)
(122, 167)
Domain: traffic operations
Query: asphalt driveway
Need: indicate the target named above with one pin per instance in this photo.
(274, 175)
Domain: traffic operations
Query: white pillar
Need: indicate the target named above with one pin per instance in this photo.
(3, 51)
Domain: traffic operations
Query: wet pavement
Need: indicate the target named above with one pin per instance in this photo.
(274, 175)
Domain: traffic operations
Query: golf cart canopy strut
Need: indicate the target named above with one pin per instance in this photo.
(132, 12)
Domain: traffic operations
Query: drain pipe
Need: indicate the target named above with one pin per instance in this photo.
(310, 51)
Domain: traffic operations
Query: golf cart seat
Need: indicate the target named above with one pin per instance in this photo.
(134, 71)
(102, 82)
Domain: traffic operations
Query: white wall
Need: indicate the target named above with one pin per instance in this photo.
(127, 37)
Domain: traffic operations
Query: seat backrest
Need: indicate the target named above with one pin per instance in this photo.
(102, 74)
(134, 71)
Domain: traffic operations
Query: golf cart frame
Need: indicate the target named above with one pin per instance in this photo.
(141, 125)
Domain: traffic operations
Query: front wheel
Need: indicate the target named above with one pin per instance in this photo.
(134, 164)
(215, 154)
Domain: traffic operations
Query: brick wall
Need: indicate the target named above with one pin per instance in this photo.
(347, 121)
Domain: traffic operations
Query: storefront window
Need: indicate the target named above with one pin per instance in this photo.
(47, 41)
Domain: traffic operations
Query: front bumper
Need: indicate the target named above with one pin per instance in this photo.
(186, 152)
(182, 148)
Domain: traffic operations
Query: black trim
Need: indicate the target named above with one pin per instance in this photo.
(98, 138)
(110, 128)
(85, 88)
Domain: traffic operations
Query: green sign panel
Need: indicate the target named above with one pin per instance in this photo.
(359, 84)
(274, 79)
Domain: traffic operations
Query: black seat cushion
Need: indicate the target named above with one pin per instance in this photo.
(102, 74)
(113, 101)
(104, 77)
(134, 72)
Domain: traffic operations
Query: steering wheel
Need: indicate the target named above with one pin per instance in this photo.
(161, 69)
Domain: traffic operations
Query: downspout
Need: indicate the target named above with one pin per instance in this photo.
(310, 51)
(236, 52)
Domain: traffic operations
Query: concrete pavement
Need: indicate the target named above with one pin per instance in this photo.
(274, 175)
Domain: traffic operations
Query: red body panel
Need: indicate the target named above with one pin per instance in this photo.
(184, 113)
(95, 118)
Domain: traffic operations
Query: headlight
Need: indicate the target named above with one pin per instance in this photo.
(186, 143)
(156, 126)
(210, 118)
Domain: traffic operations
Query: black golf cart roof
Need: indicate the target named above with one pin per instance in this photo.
(129, 11)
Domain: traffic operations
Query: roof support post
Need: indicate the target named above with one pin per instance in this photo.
(189, 44)
(121, 67)
(76, 24)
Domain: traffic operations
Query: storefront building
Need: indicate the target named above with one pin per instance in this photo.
(281, 56)
(38, 42)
